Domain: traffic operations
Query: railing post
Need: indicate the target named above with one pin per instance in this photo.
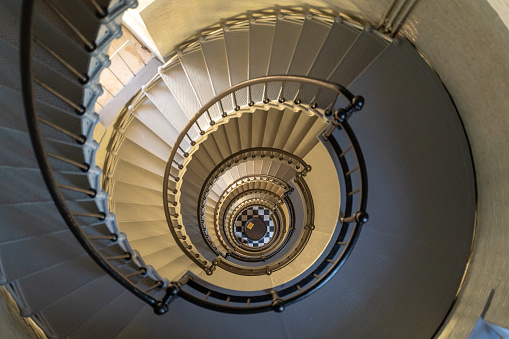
(343, 114)
(277, 304)
(171, 292)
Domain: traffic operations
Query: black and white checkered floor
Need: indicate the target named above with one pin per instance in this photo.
(249, 213)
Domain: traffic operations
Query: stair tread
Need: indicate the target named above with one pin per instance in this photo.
(335, 46)
(363, 51)
(311, 39)
(261, 34)
(136, 155)
(108, 320)
(144, 137)
(127, 211)
(64, 315)
(195, 67)
(236, 39)
(78, 272)
(162, 113)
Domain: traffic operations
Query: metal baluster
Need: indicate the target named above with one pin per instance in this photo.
(100, 216)
(352, 170)
(81, 139)
(90, 46)
(211, 121)
(118, 53)
(202, 132)
(101, 12)
(141, 271)
(112, 237)
(297, 100)
(136, 50)
(250, 102)
(206, 296)
(91, 192)
(282, 93)
(348, 149)
(84, 167)
(78, 108)
(159, 283)
(184, 152)
(328, 110)
(277, 303)
(191, 141)
(107, 90)
(237, 107)
(83, 78)
(180, 166)
(313, 103)
(223, 114)
(115, 76)
(354, 192)
(176, 179)
(126, 256)
(266, 99)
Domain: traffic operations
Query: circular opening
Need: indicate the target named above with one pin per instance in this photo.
(255, 229)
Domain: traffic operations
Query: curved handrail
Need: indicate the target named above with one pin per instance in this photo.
(277, 300)
(233, 159)
(233, 208)
(33, 120)
(175, 288)
(246, 180)
(320, 84)
(294, 253)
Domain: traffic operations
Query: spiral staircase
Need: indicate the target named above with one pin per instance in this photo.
(235, 187)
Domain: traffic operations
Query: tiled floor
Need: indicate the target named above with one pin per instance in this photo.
(249, 213)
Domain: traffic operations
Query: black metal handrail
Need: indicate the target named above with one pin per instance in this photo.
(271, 202)
(276, 300)
(321, 85)
(229, 191)
(198, 293)
(234, 159)
(305, 235)
(42, 156)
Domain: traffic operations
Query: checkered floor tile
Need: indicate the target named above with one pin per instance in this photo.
(249, 213)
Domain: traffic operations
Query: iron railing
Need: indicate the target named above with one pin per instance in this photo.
(227, 198)
(112, 259)
(270, 201)
(198, 292)
(276, 155)
(189, 287)
(185, 144)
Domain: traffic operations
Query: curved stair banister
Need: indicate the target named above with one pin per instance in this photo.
(272, 300)
(198, 292)
(229, 191)
(42, 155)
(341, 115)
(250, 153)
(346, 239)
